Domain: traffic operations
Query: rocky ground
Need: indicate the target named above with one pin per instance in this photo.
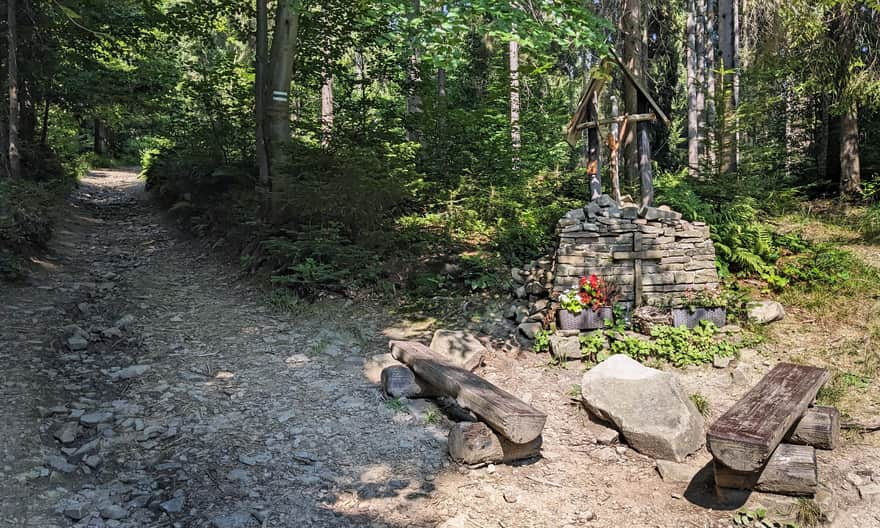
(147, 384)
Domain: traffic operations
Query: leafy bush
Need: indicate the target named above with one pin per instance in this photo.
(321, 257)
(678, 346)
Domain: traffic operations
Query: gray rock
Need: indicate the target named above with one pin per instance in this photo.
(238, 475)
(647, 406)
(67, 433)
(530, 329)
(77, 342)
(253, 460)
(239, 519)
(77, 510)
(114, 511)
(721, 362)
(535, 288)
(675, 471)
(398, 381)
(521, 313)
(111, 332)
(59, 463)
(517, 275)
(460, 348)
(93, 461)
(95, 418)
(600, 432)
(605, 454)
(765, 312)
(174, 504)
(539, 306)
(520, 292)
(124, 321)
(562, 347)
(133, 371)
(869, 491)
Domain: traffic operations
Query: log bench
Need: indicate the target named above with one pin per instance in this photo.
(746, 441)
(509, 416)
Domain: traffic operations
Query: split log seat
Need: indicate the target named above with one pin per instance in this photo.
(506, 414)
(746, 440)
(746, 435)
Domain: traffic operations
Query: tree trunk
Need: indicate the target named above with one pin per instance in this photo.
(326, 108)
(515, 138)
(413, 99)
(693, 111)
(264, 182)
(632, 58)
(707, 86)
(728, 23)
(614, 152)
(850, 171)
(822, 140)
(12, 72)
(441, 82)
(44, 131)
(278, 109)
(101, 143)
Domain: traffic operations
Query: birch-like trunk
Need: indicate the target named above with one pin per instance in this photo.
(326, 108)
(693, 111)
(728, 25)
(515, 138)
(14, 156)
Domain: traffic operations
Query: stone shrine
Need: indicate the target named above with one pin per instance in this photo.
(653, 259)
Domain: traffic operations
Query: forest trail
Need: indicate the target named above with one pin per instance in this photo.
(194, 404)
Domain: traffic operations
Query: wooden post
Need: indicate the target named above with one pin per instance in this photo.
(636, 255)
(475, 443)
(594, 162)
(645, 172)
(792, 470)
(819, 427)
(614, 154)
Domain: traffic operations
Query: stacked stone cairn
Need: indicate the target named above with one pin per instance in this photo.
(610, 239)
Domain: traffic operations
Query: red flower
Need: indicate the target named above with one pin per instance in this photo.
(583, 281)
(594, 281)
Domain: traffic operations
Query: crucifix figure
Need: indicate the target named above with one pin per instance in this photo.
(636, 256)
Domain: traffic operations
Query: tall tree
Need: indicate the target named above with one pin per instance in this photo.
(728, 35)
(278, 110)
(693, 111)
(632, 58)
(14, 156)
(515, 136)
(263, 181)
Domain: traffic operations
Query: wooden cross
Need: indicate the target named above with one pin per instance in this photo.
(637, 255)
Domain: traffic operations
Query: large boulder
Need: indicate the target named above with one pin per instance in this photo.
(460, 348)
(647, 406)
(765, 312)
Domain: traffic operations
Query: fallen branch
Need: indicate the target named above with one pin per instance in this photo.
(869, 428)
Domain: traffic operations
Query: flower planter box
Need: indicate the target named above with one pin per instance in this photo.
(586, 320)
(691, 318)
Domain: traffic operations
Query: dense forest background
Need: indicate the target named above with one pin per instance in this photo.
(419, 145)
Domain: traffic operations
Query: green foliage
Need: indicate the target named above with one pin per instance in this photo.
(758, 519)
(27, 213)
(820, 265)
(542, 341)
(679, 346)
(593, 346)
(701, 403)
(314, 258)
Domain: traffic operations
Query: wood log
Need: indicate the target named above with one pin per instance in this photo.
(746, 435)
(792, 470)
(634, 118)
(511, 417)
(398, 381)
(819, 427)
(476, 443)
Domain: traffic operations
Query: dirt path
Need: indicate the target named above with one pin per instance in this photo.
(194, 404)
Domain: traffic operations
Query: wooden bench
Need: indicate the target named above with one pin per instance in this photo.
(744, 437)
(509, 416)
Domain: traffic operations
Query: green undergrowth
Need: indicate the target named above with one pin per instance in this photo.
(27, 213)
(679, 347)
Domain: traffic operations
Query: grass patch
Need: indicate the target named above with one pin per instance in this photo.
(701, 403)
(839, 386)
(808, 513)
